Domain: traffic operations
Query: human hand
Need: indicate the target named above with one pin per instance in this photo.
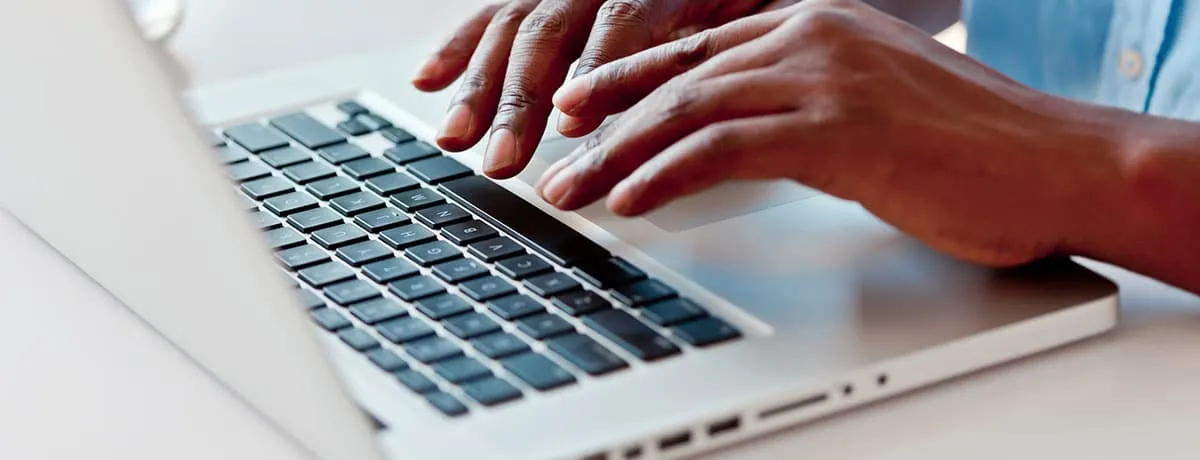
(846, 99)
(513, 55)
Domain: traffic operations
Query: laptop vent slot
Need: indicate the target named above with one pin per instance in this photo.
(794, 406)
(674, 441)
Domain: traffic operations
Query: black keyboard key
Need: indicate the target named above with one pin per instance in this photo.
(382, 219)
(364, 253)
(643, 292)
(438, 169)
(351, 108)
(581, 303)
(339, 235)
(523, 266)
(706, 331)
(377, 310)
(443, 306)
(515, 306)
(231, 154)
(524, 221)
(458, 270)
(373, 122)
(442, 215)
(342, 153)
(417, 199)
(329, 320)
(265, 221)
(417, 287)
(386, 271)
(446, 404)
(471, 325)
(367, 167)
(284, 157)
(389, 184)
(358, 339)
(309, 300)
(468, 232)
(404, 330)
(552, 284)
(247, 170)
(316, 219)
(544, 326)
(303, 256)
(432, 350)
(267, 187)
(420, 384)
(462, 369)
(290, 203)
(406, 236)
(611, 273)
(538, 371)
(672, 312)
(256, 137)
(411, 151)
(304, 173)
(496, 249)
(307, 130)
(319, 276)
(332, 187)
(356, 203)
(397, 135)
(387, 360)
(499, 345)
(353, 128)
(349, 292)
(630, 334)
(491, 391)
(432, 253)
(487, 288)
(586, 354)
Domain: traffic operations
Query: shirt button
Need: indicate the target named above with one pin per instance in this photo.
(1131, 63)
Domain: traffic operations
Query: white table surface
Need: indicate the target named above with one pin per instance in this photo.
(82, 377)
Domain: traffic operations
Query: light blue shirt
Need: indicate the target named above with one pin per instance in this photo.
(1141, 55)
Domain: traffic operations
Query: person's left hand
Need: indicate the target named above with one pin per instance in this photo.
(846, 99)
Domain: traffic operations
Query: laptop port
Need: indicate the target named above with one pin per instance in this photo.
(674, 441)
(792, 406)
(724, 426)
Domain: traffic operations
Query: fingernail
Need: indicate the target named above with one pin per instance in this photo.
(574, 93)
(558, 186)
(501, 152)
(432, 66)
(457, 122)
(568, 124)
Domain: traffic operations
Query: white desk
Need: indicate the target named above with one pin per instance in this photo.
(81, 377)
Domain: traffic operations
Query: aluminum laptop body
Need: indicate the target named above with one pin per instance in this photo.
(101, 158)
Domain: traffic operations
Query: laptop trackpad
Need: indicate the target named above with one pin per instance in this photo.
(726, 201)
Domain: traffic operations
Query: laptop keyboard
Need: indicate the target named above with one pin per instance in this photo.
(464, 292)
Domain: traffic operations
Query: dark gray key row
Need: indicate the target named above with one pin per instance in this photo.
(410, 222)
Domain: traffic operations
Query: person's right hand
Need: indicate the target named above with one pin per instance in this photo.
(514, 55)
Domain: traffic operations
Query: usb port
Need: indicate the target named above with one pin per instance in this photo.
(724, 426)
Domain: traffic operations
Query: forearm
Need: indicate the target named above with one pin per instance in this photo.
(1152, 219)
(932, 16)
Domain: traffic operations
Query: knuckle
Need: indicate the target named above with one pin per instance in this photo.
(516, 98)
(473, 82)
(511, 15)
(681, 100)
(624, 11)
(549, 22)
(694, 50)
(823, 23)
(721, 141)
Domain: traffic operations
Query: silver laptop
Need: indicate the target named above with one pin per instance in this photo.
(373, 297)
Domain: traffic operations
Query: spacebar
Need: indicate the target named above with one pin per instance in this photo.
(523, 221)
